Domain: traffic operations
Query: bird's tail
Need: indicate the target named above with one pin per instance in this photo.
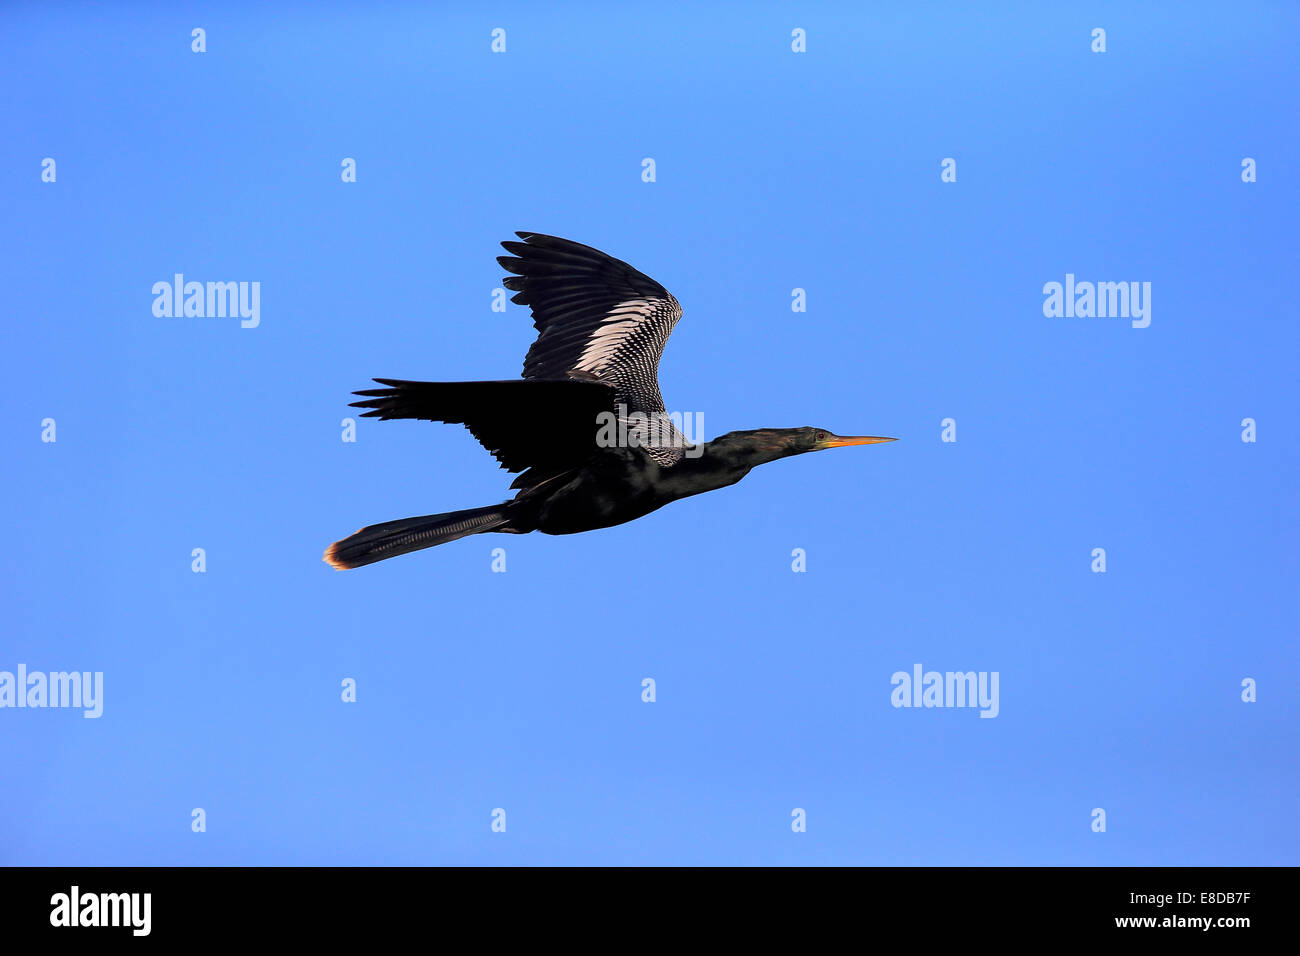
(387, 540)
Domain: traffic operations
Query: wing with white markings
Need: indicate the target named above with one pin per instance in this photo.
(598, 319)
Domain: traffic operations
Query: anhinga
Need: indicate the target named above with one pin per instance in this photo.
(602, 326)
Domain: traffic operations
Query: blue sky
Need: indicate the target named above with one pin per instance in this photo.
(521, 690)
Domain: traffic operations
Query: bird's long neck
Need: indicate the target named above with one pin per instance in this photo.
(749, 449)
(727, 459)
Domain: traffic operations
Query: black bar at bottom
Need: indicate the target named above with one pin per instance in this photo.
(373, 904)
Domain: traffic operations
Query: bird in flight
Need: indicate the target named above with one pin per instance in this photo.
(585, 427)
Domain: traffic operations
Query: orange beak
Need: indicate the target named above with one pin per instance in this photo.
(840, 441)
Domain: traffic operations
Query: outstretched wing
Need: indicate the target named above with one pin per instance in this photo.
(549, 426)
(596, 317)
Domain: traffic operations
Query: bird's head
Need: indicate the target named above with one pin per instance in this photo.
(817, 439)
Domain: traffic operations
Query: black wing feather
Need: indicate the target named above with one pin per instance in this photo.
(546, 425)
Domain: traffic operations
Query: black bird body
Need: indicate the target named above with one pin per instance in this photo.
(623, 484)
(602, 328)
(611, 488)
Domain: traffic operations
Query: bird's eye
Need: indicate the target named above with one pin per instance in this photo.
(821, 436)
